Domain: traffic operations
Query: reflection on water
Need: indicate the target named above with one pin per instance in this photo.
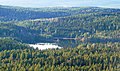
(43, 46)
(69, 43)
(57, 44)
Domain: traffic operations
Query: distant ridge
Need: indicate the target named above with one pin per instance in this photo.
(13, 13)
(45, 24)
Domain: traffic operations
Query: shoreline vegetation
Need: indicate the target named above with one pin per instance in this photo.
(85, 57)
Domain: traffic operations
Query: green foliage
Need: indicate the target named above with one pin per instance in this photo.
(10, 44)
(87, 24)
(92, 57)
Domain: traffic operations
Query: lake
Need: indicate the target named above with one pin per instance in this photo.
(44, 46)
(56, 44)
(68, 43)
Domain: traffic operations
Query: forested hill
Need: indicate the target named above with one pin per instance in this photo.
(8, 13)
(96, 29)
(90, 24)
(93, 27)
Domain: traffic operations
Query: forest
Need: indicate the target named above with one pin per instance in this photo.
(85, 57)
(87, 24)
(97, 29)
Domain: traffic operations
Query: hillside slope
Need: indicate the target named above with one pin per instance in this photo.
(9, 13)
(87, 24)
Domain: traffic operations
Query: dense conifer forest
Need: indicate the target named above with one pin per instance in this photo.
(89, 24)
(97, 29)
(85, 57)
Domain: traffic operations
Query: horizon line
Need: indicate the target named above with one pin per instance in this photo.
(59, 6)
